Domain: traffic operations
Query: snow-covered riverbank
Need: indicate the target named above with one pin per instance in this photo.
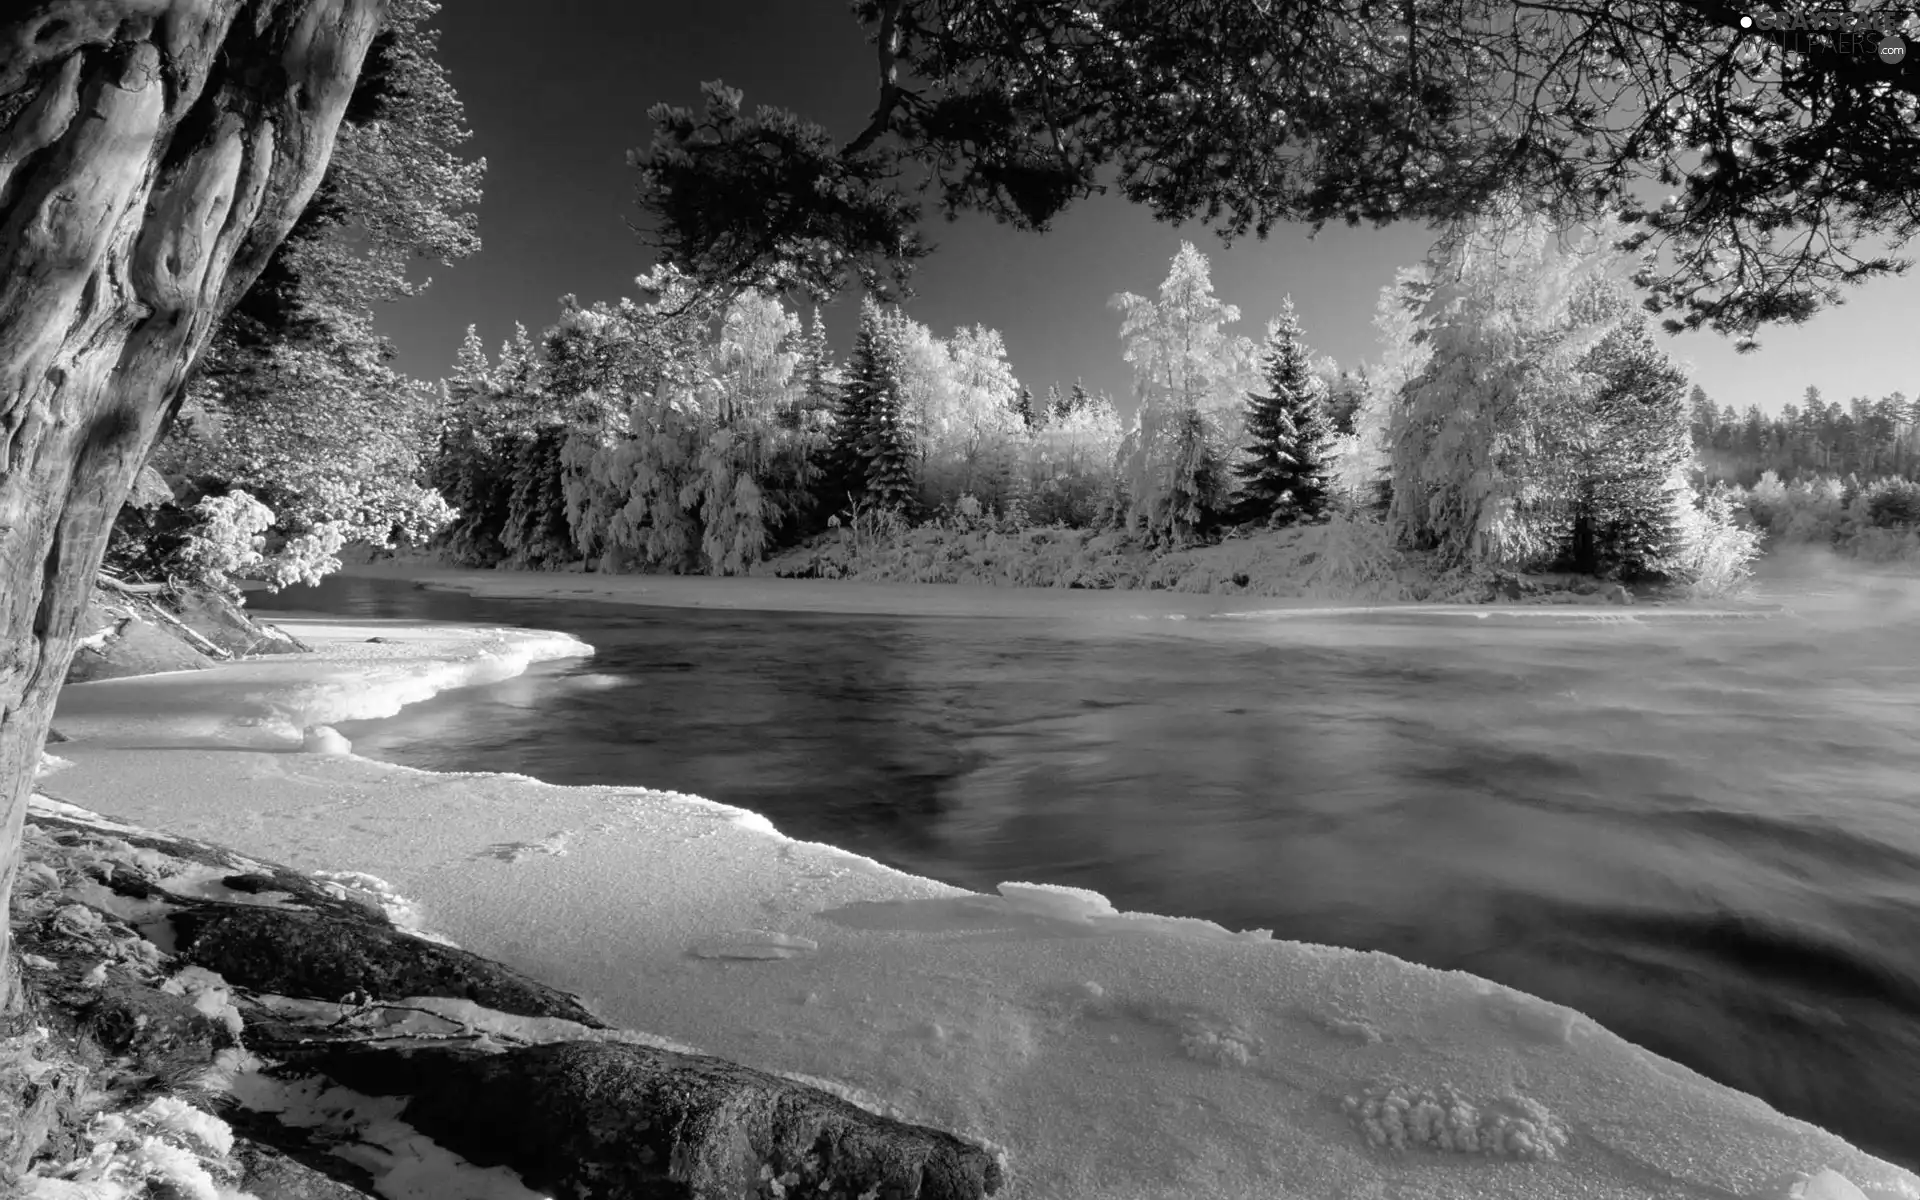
(758, 593)
(1109, 1055)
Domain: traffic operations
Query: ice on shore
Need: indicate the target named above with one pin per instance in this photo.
(1111, 1055)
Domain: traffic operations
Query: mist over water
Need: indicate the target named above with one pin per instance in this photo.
(1704, 835)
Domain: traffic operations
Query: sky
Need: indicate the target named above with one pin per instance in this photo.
(556, 103)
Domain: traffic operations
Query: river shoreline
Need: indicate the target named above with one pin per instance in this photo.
(769, 594)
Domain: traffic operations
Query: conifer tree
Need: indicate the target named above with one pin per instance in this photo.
(1023, 404)
(1077, 399)
(1624, 515)
(889, 451)
(870, 395)
(1056, 406)
(819, 389)
(1288, 470)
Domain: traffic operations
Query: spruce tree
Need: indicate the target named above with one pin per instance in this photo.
(1077, 399)
(1023, 404)
(867, 378)
(1056, 406)
(819, 392)
(889, 451)
(1288, 471)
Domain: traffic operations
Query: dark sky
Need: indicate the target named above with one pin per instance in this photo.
(557, 92)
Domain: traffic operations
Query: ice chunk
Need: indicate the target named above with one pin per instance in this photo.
(1057, 901)
(324, 739)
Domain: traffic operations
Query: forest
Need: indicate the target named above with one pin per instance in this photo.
(1518, 414)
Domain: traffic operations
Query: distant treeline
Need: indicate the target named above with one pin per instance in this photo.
(1869, 439)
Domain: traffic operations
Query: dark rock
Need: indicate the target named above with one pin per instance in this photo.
(319, 956)
(55, 736)
(133, 646)
(380, 640)
(268, 1174)
(252, 884)
(626, 1122)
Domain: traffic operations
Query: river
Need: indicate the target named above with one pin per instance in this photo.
(1706, 836)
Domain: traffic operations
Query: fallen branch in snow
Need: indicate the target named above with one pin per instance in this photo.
(201, 643)
(131, 589)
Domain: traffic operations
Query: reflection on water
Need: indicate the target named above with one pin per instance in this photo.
(1703, 835)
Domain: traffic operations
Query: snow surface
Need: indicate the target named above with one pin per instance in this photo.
(1107, 1054)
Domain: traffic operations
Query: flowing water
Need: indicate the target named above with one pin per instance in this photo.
(1704, 835)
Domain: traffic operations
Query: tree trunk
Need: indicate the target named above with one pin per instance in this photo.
(153, 154)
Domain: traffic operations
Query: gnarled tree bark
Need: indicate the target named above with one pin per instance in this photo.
(153, 154)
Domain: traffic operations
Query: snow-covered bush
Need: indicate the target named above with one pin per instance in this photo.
(1716, 552)
(227, 538)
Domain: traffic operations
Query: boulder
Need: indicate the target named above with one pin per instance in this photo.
(323, 956)
(619, 1121)
(1614, 593)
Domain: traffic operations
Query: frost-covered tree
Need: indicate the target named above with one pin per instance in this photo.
(1478, 469)
(491, 409)
(1077, 399)
(1364, 461)
(1189, 376)
(294, 400)
(969, 448)
(1285, 473)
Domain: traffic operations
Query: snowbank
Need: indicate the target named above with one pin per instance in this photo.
(1112, 1055)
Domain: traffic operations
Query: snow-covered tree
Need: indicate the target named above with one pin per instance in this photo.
(294, 400)
(1077, 399)
(1478, 469)
(1285, 473)
(971, 448)
(1189, 376)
